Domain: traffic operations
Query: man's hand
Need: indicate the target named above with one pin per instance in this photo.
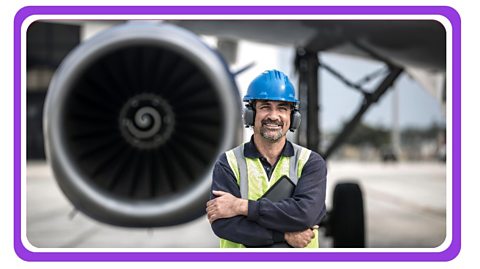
(225, 206)
(300, 239)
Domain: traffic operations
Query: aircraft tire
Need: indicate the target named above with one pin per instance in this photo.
(347, 217)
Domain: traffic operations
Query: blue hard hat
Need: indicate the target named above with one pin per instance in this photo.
(271, 85)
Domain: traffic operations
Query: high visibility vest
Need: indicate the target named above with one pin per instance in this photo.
(253, 180)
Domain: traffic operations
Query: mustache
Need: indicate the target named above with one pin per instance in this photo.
(268, 121)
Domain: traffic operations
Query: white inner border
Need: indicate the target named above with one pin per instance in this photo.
(443, 20)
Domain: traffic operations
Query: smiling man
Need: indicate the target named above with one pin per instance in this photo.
(238, 211)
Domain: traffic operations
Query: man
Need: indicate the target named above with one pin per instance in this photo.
(237, 212)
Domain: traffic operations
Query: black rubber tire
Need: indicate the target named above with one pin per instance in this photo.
(347, 217)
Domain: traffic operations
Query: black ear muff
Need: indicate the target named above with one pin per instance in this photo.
(248, 115)
(295, 120)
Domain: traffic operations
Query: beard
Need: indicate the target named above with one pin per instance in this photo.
(271, 135)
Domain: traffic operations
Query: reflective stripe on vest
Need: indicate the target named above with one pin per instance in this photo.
(253, 181)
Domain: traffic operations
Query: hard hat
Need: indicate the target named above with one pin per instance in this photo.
(271, 85)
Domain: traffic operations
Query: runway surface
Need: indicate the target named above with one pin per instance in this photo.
(405, 206)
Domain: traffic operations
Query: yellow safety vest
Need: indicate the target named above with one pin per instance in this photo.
(253, 181)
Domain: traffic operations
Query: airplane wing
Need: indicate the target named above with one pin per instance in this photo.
(418, 43)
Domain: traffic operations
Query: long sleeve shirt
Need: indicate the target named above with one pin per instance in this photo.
(267, 221)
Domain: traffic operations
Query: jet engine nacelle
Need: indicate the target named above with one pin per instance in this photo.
(134, 120)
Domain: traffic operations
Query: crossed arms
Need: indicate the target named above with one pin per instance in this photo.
(263, 222)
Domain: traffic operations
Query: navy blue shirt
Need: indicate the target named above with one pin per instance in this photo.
(267, 221)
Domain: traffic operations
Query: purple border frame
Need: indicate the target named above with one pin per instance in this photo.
(449, 13)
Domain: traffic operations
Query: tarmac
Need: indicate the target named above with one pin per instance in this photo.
(405, 207)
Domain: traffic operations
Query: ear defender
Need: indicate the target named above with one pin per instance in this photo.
(248, 115)
(295, 120)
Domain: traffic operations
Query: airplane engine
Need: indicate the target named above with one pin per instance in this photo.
(134, 120)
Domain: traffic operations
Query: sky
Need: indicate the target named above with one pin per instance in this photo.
(417, 107)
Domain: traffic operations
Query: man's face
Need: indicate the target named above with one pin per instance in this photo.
(272, 119)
